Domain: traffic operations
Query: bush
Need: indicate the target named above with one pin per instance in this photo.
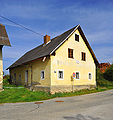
(108, 75)
(6, 81)
(101, 81)
(99, 75)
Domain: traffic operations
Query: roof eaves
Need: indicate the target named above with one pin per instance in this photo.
(88, 45)
(4, 40)
(16, 65)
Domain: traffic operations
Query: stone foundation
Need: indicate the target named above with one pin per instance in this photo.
(61, 88)
(70, 88)
(40, 88)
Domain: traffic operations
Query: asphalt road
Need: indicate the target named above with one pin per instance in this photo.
(97, 106)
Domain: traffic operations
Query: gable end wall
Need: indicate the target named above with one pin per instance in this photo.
(61, 62)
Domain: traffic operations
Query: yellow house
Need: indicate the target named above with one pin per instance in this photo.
(4, 40)
(62, 64)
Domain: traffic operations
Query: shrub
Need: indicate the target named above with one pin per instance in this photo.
(99, 75)
(101, 81)
(6, 80)
(108, 75)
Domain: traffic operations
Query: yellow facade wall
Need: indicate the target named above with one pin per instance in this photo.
(34, 73)
(61, 62)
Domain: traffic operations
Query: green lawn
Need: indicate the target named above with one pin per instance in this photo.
(12, 94)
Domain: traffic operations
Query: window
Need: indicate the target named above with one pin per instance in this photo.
(42, 74)
(26, 77)
(76, 37)
(83, 56)
(15, 76)
(90, 76)
(77, 75)
(60, 74)
(70, 53)
(19, 77)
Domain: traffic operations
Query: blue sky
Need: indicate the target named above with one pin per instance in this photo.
(53, 17)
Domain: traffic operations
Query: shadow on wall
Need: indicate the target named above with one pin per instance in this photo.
(81, 117)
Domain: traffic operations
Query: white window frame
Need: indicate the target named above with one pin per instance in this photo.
(75, 75)
(58, 74)
(41, 75)
(88, 75)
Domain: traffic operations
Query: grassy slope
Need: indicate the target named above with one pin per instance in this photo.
(17, 94)
(24, 95)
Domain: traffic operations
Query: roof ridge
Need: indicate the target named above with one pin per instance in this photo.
(65, 32)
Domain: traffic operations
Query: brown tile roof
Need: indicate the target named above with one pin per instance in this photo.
(51, 47)
(4, 40)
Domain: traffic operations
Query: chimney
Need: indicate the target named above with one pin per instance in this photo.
(46, 39)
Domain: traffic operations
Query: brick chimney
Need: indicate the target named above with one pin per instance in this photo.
(46, 39)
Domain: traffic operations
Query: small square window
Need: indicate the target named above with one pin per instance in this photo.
(90, 76)
(76, 37)
(77, 75)
(42, 75)
(70, 53)
(83, 56)
(60, 74)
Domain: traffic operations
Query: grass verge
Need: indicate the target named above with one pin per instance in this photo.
(12, 95)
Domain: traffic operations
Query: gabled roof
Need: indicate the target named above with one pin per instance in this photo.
(50, 48)
(4, 40)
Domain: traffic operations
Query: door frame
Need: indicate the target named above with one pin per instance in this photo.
(26, 77)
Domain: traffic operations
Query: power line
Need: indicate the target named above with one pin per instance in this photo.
(21, 25)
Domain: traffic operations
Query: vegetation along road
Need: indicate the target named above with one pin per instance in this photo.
(96, 106)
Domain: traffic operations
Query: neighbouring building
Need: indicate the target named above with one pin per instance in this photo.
(4, 41)
(103, 67)
(62, 64)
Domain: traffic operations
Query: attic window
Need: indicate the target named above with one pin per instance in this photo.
(83, 56)
(70, 53)
(76, 37)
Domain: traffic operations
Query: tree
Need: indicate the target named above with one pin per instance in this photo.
(108, 75)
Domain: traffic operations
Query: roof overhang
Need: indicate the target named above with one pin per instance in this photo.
(4, 40)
